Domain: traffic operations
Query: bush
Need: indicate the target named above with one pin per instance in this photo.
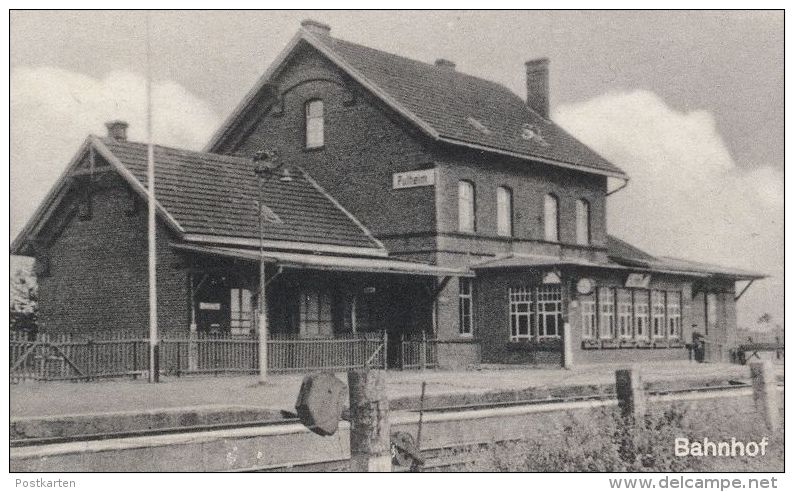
(603, 441)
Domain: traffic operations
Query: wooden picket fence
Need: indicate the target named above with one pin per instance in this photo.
(52, 357)
(419, 352)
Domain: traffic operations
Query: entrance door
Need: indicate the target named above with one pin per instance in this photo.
(212, 306)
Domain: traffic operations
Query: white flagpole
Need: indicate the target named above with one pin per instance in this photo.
(154, 369)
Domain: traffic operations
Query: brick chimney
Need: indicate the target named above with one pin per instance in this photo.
(315, 27)
(538, 86)
(117, 130)
(445, 64)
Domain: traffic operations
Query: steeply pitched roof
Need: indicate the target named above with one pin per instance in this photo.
(214, 198)
(448, 105)
(216, 195)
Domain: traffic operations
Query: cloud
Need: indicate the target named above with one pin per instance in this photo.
(687, 196)
(54, 110)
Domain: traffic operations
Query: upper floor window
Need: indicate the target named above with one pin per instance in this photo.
(465, 206)
(504, 211)
(582, 222)
(551, 218)
(315, 137)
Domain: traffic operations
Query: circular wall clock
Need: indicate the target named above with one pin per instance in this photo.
(584, 286)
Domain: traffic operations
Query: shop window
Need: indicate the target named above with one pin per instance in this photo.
(657, 306)
(465, 307)
(606, 305)
(466, 206)
(551, 218)
(549, 308)
(641, 313)
(624, 313)
(521, 320)
(588, 316)
(315, 124)
(504, 211)
(674, 314)
(241, 312)
(582, 222)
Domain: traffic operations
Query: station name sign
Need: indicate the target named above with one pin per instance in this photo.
(414, 179)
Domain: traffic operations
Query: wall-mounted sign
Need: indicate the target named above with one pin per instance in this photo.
(584, 286)
(638, 280)
(210, 306)
(551, 278)
(413, 179)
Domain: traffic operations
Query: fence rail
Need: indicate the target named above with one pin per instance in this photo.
(419, 353)
(49, 357)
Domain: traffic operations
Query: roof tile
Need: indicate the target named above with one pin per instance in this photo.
(217, 195)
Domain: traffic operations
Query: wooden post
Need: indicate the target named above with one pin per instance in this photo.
(423, 353)
(385, 349)
(765, 393)
(630, 393)
(567, 346)
(370, 445)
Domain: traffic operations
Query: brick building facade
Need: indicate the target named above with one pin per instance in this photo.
(465, 212)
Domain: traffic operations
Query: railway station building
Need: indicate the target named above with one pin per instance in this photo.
(405, 197)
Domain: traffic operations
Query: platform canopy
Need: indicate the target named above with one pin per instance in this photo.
(310, 261)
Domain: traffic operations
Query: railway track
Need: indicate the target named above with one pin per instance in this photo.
(601, 397)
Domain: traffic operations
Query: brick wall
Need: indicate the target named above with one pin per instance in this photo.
(365, 143)
(529, 183)
(99, 275)
(492, 328)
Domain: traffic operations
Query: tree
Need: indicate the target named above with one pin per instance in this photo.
(23, 301)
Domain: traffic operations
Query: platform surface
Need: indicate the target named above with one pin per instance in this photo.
(64, 398)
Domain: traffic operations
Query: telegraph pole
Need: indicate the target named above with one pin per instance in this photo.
(154, 359)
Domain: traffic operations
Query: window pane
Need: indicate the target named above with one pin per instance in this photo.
(314, 124)
(551, 218)
(582, 222)
(504, 211)
(588, 315)
(465, 206)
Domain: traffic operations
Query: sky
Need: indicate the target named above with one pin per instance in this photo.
(689, 104)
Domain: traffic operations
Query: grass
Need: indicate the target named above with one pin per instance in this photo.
(603, 441)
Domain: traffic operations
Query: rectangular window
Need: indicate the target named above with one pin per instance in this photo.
(549, 309)
(551, 218)
(641, 313)
(315, 124)
(624, 313)
(674, 314)
(521, 319)
(588, 316)
(465, 206)
(657, 305)
(241, 312)
(316, 317)
(504, 211)
(465, 307)
(582, 222)
(606, 304)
